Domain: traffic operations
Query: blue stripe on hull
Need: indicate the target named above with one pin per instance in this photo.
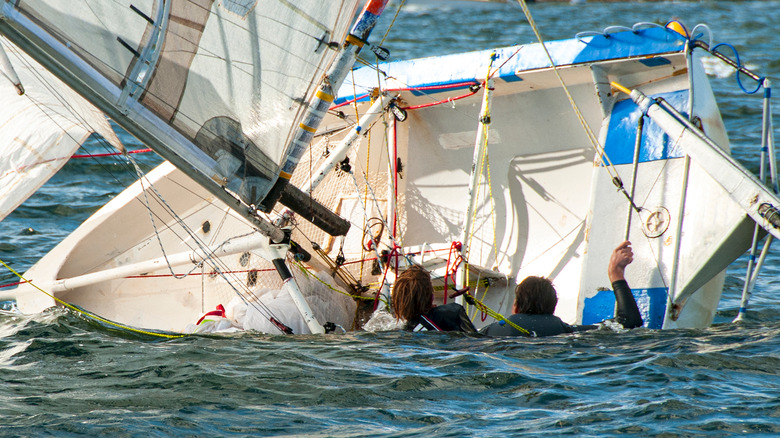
(462, 67)
(656, 145)
(651, 302)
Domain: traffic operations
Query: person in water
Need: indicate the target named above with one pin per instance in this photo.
(412, 301)
(535, 301)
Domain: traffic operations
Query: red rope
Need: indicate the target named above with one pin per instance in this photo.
(371, 259)
(425, 88)
(451, 99)
(455, 265)
(137, 151)
(504, 63)
(438, 87)
(22, 168)
(13, 284)
(201, 273)
(453, 247)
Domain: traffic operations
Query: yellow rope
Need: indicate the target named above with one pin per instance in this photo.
(486, 163)
(89, 314)
(476, 291)
(355, 103)
(484, 282)
(303, 268)
(490, 312)
(476, 192)
(492, 211)
(392, 22)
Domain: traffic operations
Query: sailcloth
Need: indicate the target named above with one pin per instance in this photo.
(39, 130)
(215, 86)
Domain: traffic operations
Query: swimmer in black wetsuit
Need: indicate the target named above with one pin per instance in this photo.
(413, 302)
(535, 300)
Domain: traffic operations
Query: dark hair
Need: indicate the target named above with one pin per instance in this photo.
(412, 293)
(535, 296)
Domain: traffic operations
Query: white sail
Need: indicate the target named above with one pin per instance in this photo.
(41, 129)
(230, 78)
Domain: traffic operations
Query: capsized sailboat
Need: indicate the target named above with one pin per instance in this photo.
(483, 167)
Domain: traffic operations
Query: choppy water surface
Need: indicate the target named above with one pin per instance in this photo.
(63, 375)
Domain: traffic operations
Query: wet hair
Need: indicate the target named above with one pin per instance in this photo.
(412, 294)
(535, 296)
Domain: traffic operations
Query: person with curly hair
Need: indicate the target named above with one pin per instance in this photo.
(412, 300)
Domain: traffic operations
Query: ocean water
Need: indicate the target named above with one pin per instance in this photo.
(64, 375)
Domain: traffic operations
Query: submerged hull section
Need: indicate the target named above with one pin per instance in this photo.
(120, 234)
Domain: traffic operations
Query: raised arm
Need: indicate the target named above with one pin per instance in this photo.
(622, 256)
(627, 311)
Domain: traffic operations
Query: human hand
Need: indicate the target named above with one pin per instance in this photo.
(621, 257)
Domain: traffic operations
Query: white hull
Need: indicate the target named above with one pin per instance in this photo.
(113, 265)
(121, 234)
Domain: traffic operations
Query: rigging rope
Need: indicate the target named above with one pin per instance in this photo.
(600, 152)
(300, 266)
(474, 184)
(490, 312)
(57, 94)
(154, 225)
(473, 90)
(90, 314)
(111, 154)
(219, 267)
(398, 11)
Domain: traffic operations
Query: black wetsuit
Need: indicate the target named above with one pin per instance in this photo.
(446, 318)
(550, 325)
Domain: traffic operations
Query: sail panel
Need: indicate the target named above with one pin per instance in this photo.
(40, 130)
(92, 29)
(186, 22)
(252, 75)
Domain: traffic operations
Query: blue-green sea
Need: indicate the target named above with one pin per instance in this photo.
(64, 375)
